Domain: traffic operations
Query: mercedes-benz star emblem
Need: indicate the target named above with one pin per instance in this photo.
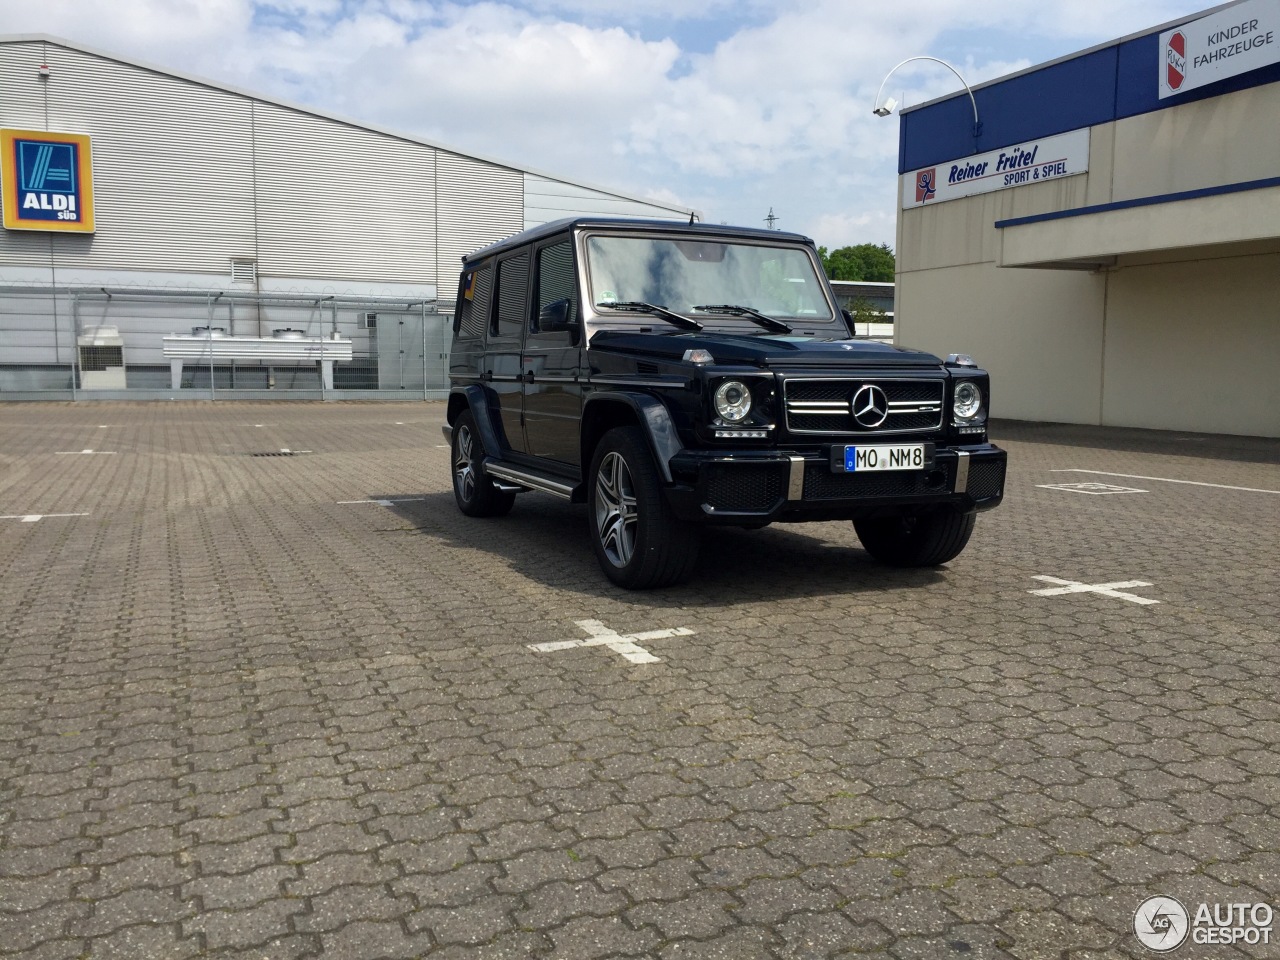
(869, 406)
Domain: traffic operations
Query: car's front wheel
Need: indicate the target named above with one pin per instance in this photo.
(639, 542)
(916, 540)
(474, 492)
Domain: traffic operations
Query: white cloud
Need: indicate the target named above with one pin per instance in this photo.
(777, 113)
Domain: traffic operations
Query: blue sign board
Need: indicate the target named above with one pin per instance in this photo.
(47, 181)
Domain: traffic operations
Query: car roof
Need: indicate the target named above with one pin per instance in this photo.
(630, 224)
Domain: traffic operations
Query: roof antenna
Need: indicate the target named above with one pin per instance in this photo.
(691, 215)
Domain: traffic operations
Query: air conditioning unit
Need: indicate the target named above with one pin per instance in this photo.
(101, 355)
(368, 321)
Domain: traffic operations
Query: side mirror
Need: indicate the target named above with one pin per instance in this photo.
(848, 318)
(557, 317)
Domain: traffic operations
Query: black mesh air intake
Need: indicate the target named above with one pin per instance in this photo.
(986, 479)
(745, 486)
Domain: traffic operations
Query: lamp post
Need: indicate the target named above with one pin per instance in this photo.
(886, 108)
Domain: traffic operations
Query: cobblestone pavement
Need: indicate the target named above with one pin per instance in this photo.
(242, 717)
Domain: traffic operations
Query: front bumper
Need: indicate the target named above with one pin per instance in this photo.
(767, 486)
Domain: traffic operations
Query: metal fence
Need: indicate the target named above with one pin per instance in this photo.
(137, 343)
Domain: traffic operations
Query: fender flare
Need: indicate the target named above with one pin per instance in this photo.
(477, 400)
(655, 420)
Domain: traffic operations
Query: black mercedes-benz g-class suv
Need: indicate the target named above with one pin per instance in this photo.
(673, 376)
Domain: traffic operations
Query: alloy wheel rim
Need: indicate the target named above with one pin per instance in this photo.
(464, 471)
(616, 515)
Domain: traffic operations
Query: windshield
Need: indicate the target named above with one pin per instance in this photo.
(681, 274)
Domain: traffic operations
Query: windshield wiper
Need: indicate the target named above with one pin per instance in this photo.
(769, 323)
(639, 306)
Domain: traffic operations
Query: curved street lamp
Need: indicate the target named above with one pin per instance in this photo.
(886, 108)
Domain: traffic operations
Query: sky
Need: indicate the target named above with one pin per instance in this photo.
(730, 107)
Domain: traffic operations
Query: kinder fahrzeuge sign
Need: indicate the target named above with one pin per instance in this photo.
(1225, 44)
(1035, 161)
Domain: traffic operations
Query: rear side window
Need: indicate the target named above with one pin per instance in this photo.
(475, 305)
(555, 276)
(513, 292)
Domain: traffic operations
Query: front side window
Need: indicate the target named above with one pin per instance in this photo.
(681, 274)
(555, 276)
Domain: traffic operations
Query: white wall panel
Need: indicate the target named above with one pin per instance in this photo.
(339, 200)
(547, 200)
(479, 203)
(22, 92)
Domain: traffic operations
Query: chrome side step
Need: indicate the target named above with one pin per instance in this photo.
(531, 481)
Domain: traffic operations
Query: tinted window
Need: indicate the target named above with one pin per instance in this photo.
(476, 302)
(555, 276)
(513, 290)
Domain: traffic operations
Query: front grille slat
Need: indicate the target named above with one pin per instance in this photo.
(823, 405)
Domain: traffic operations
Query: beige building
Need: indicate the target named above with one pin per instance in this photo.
(1107, 241)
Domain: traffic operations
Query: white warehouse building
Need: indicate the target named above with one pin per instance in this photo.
(165, 235)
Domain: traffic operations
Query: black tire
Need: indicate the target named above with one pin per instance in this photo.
(916, 540)
(639, 542)
(475, 493)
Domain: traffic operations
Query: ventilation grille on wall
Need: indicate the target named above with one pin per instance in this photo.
(244, 271)
(101, 357)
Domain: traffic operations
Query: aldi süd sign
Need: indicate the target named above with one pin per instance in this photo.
(1051, 158)
(46, 180)
(1233, 41)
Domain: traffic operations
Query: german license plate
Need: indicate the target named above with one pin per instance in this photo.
(885, 456)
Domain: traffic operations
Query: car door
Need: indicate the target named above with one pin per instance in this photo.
(506, 339)
(551, 358)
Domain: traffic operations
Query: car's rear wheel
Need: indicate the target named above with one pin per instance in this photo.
(916, 540)
(639, 542)
(474, 492)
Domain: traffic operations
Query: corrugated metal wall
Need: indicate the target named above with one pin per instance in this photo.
(336, 200)
(546, 200)
(479, 203)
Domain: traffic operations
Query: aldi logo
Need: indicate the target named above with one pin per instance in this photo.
(46, 180)
(926, 184)
(1176, 60)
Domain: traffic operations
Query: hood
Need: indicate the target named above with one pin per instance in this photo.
(760, 351)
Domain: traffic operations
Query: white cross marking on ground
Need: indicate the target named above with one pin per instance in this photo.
(625, 644)
(1093, 488)
(1114, 590)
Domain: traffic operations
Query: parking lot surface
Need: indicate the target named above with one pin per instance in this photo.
(269, 704)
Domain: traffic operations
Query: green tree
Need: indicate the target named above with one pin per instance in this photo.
(865, 261)
(864, 311)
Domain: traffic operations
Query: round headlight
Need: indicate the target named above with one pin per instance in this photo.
(733, 401)
(968, 400)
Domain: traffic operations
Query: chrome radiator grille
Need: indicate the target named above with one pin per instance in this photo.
(831, 405)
